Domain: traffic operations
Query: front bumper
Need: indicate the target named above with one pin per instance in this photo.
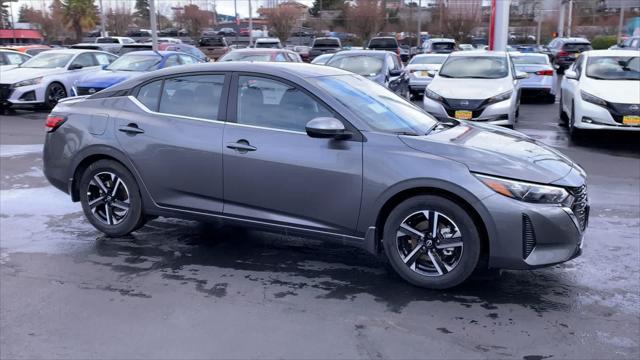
(530, 235)
(23, 95)
(500, 113)
(595, 117)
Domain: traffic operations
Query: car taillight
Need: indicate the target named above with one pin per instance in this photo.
(545, 72)
(563, 53)
(53, 122)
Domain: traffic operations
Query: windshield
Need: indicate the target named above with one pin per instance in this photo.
(383, 43)
(614, 67)
(361, 65)
(530, 60)
(332, 43)
(238, 56)
(475, 67)
(136, 63)
(379, 107)
(107, 41)
(443, 46)
(268, 45)
(423, 60)
(47, 60)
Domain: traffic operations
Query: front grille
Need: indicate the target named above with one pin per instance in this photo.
(475, 106)
(87, 90)
(5, 91)
(528, 236)
(580, 205)
(618, 111)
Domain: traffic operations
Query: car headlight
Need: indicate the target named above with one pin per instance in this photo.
(592, 99)
(34, 81)
(433, 96)
(527, 192)
(500, 97)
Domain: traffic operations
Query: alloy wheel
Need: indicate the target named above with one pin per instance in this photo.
(108, 198)
(56, 92)
(429, 243)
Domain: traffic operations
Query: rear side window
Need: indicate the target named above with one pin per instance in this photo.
(104, 59)
(331, 43)
(442, 46)
(274, 104)
(149, 95)
(194, 96)
(84, 60)
(576, 47)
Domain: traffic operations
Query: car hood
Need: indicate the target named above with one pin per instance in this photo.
(423, 66)
(106, 78)
(470, 89)
(615, 91)
(491, 150)
(14, 75)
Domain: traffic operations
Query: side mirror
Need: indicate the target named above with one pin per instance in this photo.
(104, 67)
(395, 72)
(431, 73)
(571, 74)
(327, 127)
(521, 75)
(75, 66)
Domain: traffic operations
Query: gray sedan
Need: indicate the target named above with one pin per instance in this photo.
(318, 151)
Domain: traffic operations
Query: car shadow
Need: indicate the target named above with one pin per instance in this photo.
(178, 250)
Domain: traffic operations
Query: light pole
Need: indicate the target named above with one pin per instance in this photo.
(250, 25)
(235, 9)
(418, 41)
(621, 22)
(561, 20)
(154, 25)
(570, 21)
(103, 21)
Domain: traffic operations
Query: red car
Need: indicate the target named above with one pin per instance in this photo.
(245, 32)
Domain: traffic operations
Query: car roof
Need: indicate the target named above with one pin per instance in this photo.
(151, 52)
(267, 40)
(73, 51)
(376, 53)
(287, 70)
(488, 53)
(624, 53)
(431, 55)
(517, 53)
(575, 40)
(441, 40)
(260, 50)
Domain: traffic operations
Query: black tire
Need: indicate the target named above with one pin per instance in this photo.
(574, 133)
(469, 254)
(561, 114)
(54, 92)
(550, 99)
(131, 220)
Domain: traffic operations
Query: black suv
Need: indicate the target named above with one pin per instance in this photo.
(324, 45)
(387, 43)
(564, 51)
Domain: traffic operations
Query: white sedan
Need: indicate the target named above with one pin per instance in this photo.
(478, 86)
(49, 76)
(601, 91)
(10, 59)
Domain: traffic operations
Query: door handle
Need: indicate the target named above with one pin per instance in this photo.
(242, 146)
(131, 129)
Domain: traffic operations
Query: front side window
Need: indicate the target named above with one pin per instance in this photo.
(171, 61)
(84, 60)
(149, 95)
(475, 67)
(614, 67)
(274, 104)
(194, 96)
(13, 59)
(364, 65)
(104, 59)
(377, 106)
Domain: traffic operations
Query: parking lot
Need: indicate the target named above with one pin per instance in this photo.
(180, 289)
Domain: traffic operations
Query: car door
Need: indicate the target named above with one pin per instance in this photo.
(87, 63)
(570, 87)
(274, 172)
(172, 133)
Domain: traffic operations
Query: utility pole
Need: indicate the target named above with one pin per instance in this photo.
(235, 9)
(539, 31)
(250, 25)
(154, 25)
(621, 22)
(561, 20)
(103, 22)
(419, 39)
(570, 18)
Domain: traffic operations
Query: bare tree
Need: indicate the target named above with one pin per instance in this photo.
(50, 23)
(281, 20)
(365, 18)
(118, 20)
(460, 17)
(193, 19)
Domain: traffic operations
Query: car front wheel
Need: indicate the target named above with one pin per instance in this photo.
(431, 242)
(53, 94)
(110, 198)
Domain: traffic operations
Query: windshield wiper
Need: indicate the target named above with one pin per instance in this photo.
(408, 133)
(446, 76)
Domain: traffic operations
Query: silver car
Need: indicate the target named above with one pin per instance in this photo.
(419, 70)
(540, 75)
(318, 151)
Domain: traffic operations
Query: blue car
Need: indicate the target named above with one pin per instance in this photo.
(128, 66)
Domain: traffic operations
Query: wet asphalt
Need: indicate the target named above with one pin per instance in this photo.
(181, 289)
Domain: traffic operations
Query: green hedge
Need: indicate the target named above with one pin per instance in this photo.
(603, 41)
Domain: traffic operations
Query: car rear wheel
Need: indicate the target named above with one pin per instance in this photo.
(54, 92)
(431, 242)
(110, 198)
(561, 113)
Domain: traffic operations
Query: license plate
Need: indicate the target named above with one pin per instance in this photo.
(463, 114)
(423, 73)
(631, 120)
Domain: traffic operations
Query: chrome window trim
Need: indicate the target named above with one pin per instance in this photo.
(142, 107)
(267, 128)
